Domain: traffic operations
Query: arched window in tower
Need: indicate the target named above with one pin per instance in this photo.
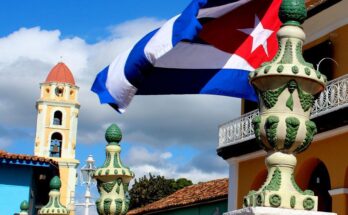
(57, 118)
(56, 145)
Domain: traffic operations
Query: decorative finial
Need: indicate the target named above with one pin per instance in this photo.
(24, 207)
(55, 183)
(113, 134)
(113, 177)
(286, 86)
(293, 12)
(54, 206)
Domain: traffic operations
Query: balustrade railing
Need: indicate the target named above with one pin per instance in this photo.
(237, 130)
(334, 97)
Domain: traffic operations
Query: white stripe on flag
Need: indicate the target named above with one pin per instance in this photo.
(161, 42)
(215, 12)
(117, 84)
(199, 56)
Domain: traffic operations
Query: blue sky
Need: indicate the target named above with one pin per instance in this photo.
(175, 136)
(88, 19)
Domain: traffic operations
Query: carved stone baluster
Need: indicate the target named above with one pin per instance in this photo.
(113, 177)
(286, 87)
(24, 208)
(54, 207)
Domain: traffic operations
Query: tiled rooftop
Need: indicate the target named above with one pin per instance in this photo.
(194, 194)
(60, 73)
(6, 157)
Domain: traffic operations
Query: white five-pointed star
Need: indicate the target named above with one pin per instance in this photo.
(259, 34)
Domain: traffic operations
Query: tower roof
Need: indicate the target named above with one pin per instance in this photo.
(60, 73)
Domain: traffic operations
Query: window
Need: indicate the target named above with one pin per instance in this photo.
(57, 118)
(320, 184)
(320, 54)
(248, 106)
(56, 145)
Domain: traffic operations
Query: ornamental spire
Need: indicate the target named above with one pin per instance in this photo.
(292, 12)
(287, 87)
(24, 208)
(54, 207)
(113, 134)
(113, 177)
(289, 61)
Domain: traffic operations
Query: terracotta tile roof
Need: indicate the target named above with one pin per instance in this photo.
(194, 194)
(60, 73)
(25, 159)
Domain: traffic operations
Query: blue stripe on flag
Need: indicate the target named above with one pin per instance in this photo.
(137, 62)
(99, 87)
(164, 81)
(237, 86)
(151, 80)
(186, 26)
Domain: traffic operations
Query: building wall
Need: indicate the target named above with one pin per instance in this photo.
(68, 177)
(15, 182)
(330, 24)
(215, 208)
(338, 37)
(330, 148)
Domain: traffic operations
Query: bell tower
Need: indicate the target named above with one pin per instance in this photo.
(56, 128)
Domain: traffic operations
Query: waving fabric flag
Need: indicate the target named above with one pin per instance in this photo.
(209, 48)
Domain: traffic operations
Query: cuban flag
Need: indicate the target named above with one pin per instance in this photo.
(209, 48)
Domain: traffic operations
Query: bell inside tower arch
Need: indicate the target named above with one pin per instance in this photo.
(56, 145)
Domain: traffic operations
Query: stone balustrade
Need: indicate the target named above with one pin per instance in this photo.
(334, 97)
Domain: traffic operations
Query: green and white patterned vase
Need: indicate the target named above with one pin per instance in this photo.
(286, 87)
(24, 208)
(113, 177)
(54, 207)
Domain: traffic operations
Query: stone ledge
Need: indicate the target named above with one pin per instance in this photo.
(274, 211)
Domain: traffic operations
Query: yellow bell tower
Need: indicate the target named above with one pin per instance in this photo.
(56, 128)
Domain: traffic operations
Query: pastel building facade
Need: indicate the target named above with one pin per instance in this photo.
(57, 118)
(24, 177)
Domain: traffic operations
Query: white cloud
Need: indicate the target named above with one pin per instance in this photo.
(131, 28)
(45, 46)
(26, 57)
(4, 142)
(143, 161)
(166, 155)
(140, 155)
(171, 171)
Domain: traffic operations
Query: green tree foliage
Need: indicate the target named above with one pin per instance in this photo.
(181, 183)
(152, 188)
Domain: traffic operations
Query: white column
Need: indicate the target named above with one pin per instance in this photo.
(233, 184)
(87, 198)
